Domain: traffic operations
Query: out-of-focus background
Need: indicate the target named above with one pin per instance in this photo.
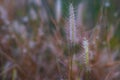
(34, 44)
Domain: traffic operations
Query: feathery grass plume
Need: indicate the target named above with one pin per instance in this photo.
(72, 25)
(86, 51)
(72, 39)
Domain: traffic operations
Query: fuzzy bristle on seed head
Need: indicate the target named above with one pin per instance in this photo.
(72, 26)
(86, 51)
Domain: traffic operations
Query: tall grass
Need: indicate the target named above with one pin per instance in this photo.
(38, 43)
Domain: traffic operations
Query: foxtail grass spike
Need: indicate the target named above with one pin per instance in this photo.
(86, 51)
(72, 26)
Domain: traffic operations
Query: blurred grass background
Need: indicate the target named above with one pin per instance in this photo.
(33, 43)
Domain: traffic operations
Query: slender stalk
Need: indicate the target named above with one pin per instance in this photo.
(70, 64)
